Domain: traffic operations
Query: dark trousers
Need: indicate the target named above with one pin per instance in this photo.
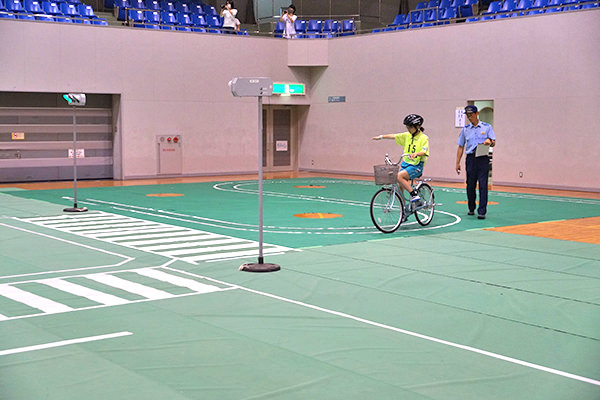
(478, 169)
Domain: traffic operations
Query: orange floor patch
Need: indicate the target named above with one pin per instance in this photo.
(310, 187)
(164, 195)
(317, 215)
(586, 230)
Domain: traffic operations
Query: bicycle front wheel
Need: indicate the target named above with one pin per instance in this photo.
(424, 213)
(387, 210)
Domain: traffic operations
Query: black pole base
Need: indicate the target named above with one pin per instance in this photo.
(259, 267)
(75, 209)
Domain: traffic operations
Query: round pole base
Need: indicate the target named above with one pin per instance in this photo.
(259, 267)
(75, 209)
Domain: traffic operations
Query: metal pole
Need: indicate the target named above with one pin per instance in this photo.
(260, 181)
(74, 159)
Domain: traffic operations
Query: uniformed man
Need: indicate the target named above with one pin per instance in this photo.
(478, 168)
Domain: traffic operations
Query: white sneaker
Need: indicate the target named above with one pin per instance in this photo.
(414, 198)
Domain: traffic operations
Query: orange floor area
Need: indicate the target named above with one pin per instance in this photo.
(586, 230)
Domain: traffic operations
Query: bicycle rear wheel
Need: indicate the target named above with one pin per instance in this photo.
(387, 210)
(424, 215)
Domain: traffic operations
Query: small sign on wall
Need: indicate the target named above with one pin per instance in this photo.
(17, 135)
(80, 153)
(281, 145)
(336, 99)
(459, 117)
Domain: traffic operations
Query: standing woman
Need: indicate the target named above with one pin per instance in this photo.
(288, 18)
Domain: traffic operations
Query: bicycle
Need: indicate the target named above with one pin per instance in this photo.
(390, 207)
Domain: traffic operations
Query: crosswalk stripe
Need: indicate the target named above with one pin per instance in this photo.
(235, 254)
(92, 294)
(33, 300)
(74, 221)
(195, 243)
(131, 287)
(176, 280)
(98, 228)
(3, 317)
(174, 253)
(193, 236)
(133, 232)
(95, 222)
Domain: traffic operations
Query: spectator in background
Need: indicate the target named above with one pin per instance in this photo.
(228, 13)
(288, 18)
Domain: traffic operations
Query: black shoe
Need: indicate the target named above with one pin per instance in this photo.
(481, 216)
(471, 213)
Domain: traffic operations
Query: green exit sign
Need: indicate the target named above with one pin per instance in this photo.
(289, 88)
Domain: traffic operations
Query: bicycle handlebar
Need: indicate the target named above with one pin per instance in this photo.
(389, 161)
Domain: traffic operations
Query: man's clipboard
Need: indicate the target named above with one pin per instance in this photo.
(482, 150)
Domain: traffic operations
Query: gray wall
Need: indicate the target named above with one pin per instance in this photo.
(541, 72)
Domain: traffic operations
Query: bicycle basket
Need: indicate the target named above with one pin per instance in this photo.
(385, 174)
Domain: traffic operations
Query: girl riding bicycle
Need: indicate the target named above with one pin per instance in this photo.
(416, 144)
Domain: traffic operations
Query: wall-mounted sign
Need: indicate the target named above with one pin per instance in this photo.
(281, 145)
(17, 135)
(336, 99)
(459, 117)
(80, 153)
(289, 88)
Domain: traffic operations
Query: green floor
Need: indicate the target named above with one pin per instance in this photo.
(448, 312)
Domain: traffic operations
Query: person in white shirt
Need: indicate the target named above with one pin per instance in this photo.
(228, 12)
(288, 18)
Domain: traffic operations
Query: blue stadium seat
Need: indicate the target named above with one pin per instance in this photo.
(421, 5)
(152, 17)
(4, 14)
(137, 4)
(539, 4)
(279, 27)
(184, 19)
(398, 20)
(196, 9)
(33, 6)
(183, 8)
(524, 5)
(86, 10)
(534, 12)
(199, 20)
(152, 5)
(433, 4)
(472, 19)
(416, 17)
(214, 23)
(331, 26)
(243, 32)
(51, 7)
(347, 27)
(136, 17)
(199, 29)
(169, 20)
(457, 3)
(488, 17)
(68, 9)
(314, 26)
(430, 15)
(44, 17)
(508, 6)
(445, 4)
(14, 6)
(121, 6)
(448, 14)
(470, 2)
(168, 6)
(209, 10)
(99, 21)
(79, 20)
(465, 11)
(300, 26)
(494, 8)
(60, 18)
(30, 17)
(590, 5)
(2, 8)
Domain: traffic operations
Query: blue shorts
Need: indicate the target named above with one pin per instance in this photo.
(414, 171)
